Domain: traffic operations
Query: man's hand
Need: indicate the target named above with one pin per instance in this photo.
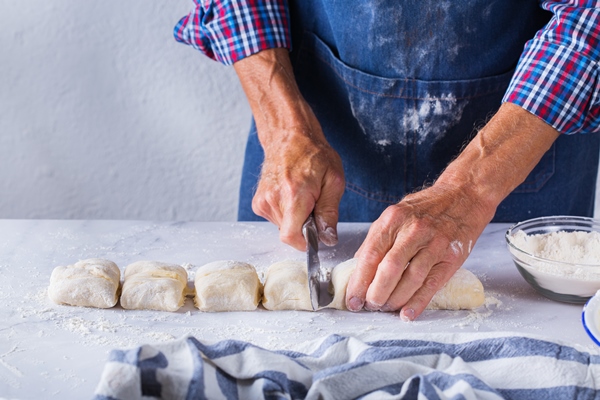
(298, 175)
(301, 171)
(414, 248)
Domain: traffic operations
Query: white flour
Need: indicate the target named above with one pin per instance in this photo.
(581, 250)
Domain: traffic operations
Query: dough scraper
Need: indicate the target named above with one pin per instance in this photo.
(309, 230)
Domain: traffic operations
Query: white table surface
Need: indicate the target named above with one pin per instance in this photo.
(51, 351)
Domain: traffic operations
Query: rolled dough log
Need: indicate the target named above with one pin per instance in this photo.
(462, 291)
(286, 287)
(87, 283)
(227, 286)
(151, 285)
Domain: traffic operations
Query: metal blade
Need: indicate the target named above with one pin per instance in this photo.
(309, 230)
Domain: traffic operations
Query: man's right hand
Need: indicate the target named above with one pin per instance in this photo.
(301, 171)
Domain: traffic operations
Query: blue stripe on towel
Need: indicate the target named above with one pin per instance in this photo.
(275, 381)
(125, 356)
(196, 385)
(446, 381)
(148, 368)
(480, 350)
(221, 349)
(560, 392)
(399, 368)
(227, 384)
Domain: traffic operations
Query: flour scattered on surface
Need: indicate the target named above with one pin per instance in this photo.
(475, 318)
(8, 366)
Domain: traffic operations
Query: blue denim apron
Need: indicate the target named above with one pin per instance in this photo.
(400, 87)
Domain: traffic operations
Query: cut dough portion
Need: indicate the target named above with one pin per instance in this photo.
(88, 283)
(286, 287)
(227, 286)
(340, 276)
(462, 292)
(151, 285)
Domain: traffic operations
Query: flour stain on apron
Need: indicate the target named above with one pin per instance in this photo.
(420, 121)
(433, 117)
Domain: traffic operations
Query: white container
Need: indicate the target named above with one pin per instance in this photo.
(590, 317)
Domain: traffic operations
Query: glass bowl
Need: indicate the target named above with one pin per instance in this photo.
(556, 280)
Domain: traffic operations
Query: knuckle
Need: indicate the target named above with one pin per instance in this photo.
(391, 215)
(389, 271)
(286, 236)
(336, 181)
(423, 228)
(417, 276)
(269, 197)
(369, 258)
(433, 283)
(260, 205)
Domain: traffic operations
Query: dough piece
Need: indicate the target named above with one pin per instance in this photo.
(227, 286)
(286, 287)
(151, 285)
(462, 291)
(340, 276)
(88, 283)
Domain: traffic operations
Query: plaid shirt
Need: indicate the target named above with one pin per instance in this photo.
(557, 78)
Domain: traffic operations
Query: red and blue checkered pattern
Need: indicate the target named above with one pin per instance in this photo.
(557, 78)
(558, 75)
(229, 30)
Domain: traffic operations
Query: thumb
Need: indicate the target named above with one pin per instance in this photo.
(327, 211)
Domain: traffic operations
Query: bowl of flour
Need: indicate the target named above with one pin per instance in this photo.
(559, 256)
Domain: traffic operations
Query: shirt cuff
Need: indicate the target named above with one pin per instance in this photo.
(230, 30)
(560, 85)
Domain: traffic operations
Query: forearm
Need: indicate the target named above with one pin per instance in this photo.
(500, 157)
(300, 173)
(277, 105)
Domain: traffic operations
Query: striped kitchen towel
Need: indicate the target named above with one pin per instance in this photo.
(437, 366)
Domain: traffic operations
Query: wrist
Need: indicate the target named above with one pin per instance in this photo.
(500, 157)
(277, 105)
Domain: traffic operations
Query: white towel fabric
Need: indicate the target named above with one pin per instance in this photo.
(467, 366)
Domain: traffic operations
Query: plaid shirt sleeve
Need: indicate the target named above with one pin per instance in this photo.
(229, 30)
(558, 75)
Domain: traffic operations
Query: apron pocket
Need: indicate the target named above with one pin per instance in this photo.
(396, 134)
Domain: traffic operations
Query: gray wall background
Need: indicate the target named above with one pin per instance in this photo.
(104, 116)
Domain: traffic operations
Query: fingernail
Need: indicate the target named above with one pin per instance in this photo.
(386, 308)
(355, 304)
(407, 315)
(372, 306)
(329, 236)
